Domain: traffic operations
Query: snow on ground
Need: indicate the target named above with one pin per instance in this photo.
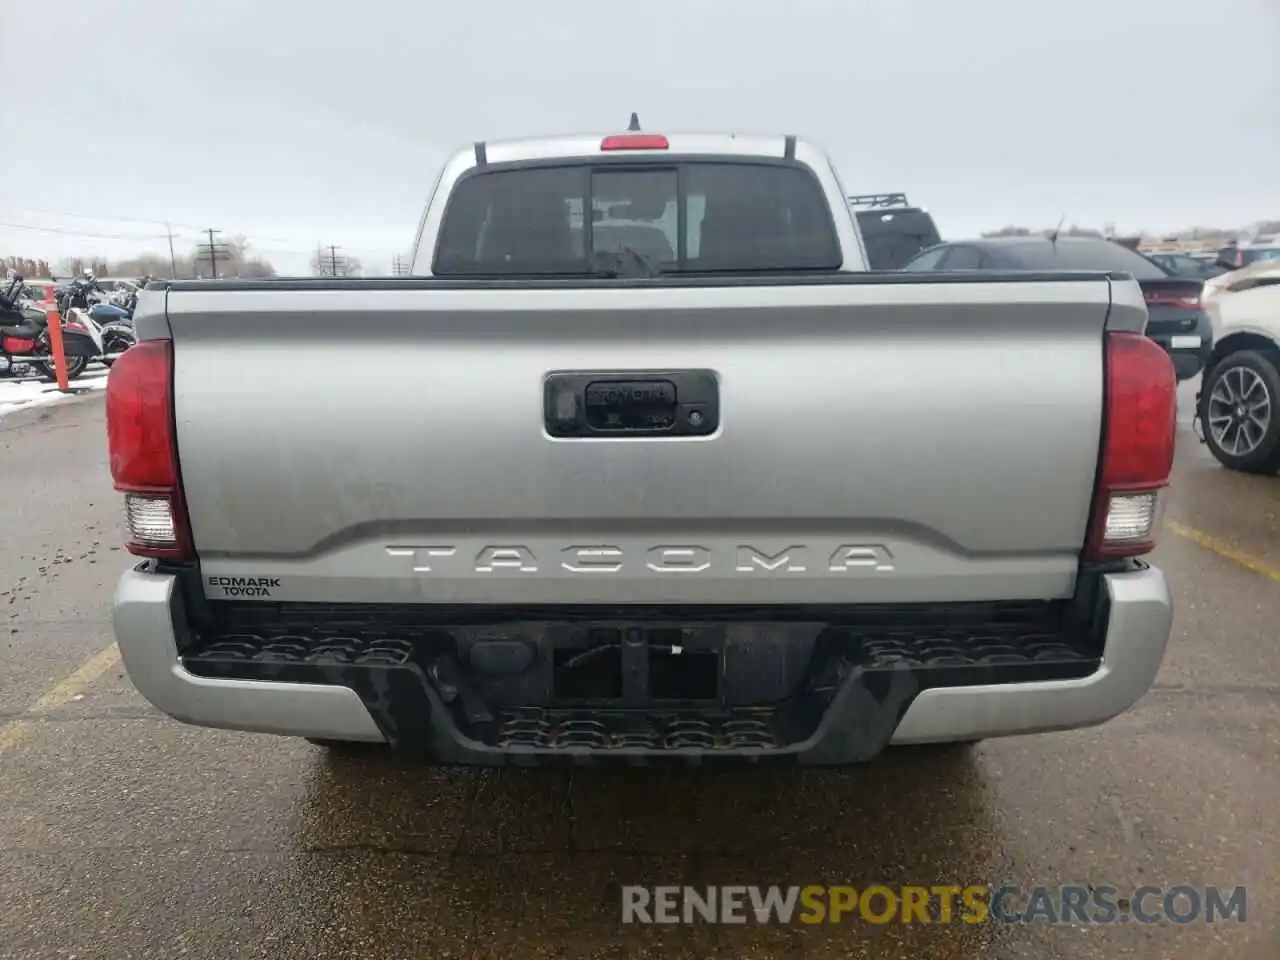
(34, 392)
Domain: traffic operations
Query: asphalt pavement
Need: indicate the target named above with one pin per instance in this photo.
(124, 834)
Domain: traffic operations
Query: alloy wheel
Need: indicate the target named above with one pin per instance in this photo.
(1239, 411)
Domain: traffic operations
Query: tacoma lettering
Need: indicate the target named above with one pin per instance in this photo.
(859, 557)
(679, 559)
(749, 559)
(606, 559)
(588, 559)
(515, 558)
(422, 555)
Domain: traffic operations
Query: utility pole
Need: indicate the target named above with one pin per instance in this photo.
(215, 252)
(399, 268)
(213, 255)
(329, 263)
(173, 261)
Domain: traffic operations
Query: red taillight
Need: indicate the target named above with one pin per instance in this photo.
(144, 453)
(1181, 301)
(635, 141)
(17, 345)
(1140, 417)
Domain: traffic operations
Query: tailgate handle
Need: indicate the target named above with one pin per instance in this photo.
(631, 404)
(601, 404)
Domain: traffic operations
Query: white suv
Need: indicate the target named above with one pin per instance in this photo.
(1238, 405)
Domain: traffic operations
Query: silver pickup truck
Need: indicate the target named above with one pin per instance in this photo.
(649, 466)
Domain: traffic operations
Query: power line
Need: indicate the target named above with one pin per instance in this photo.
(329, 261)
(91, 216)
(193, 235)
(168, 224)
(81, 233)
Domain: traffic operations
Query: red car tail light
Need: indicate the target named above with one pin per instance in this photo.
(1140, 417)
(143, 451)
(1183, 301)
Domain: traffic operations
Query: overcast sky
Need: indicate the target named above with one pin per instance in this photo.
(323, 122)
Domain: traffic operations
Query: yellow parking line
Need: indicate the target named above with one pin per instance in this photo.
(60, 694)
(1224, 549)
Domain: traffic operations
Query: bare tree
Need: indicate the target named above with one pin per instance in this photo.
(1071, 231)
(234, 259)
(27, 267)
(239, 260)
(151, 265)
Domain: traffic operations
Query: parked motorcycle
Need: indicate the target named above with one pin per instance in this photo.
(24, 337)
(80, 293)
(110, 312)
(116, 339)
(115, 321)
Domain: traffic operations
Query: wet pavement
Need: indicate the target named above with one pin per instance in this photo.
(123, 834)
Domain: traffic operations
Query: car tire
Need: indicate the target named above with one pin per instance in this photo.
(1244, 449)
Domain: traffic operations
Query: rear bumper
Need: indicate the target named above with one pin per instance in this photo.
(1189, 363)
(1188, 350)
(863, 716)
(149, 616)
(1138, 627)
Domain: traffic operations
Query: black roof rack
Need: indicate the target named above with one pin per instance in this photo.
(879, 200)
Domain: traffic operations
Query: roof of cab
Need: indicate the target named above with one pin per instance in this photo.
(588, 144)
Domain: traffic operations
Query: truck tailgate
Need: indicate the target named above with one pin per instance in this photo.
(877, 442)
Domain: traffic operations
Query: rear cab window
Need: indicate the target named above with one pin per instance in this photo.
(587, 217)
